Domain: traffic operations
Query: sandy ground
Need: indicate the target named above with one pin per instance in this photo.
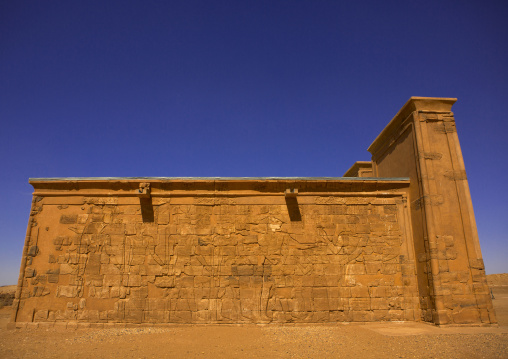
(498, 279)
(378, 340)
(7, 289)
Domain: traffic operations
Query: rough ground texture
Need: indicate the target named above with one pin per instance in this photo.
(7, 295)
(375, 340)
(496, 280)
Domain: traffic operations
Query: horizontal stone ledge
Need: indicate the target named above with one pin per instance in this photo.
(208, 179)
(211, 194)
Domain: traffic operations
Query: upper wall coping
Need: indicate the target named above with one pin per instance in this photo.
(356, 166)
(165, 185)
(233, 179)
(415, 103)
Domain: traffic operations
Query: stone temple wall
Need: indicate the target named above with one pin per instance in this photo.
(394, 240)
(421, 143)
(194, 256)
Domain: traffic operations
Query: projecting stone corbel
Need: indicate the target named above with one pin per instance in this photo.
(144, 190)
(291, 192)
(145, 201)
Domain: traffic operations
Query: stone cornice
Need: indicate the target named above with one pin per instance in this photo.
(424, 104)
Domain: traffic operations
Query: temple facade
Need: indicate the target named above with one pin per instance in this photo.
(395, 239)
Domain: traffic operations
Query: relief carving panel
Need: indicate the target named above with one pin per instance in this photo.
(213, 260)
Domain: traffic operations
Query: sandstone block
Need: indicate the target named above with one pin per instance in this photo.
(360, 292)
(30, 272)
(164, 282)
(362, 316)
(360, 304)
(32, 251)
(379, 304)
(321, 304)
(67, 291)
(40, 291)
(68, 219)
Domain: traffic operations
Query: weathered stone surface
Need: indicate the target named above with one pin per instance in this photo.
(421, 142)
(30, 272)
(247, 262)
(33, 251)
(53, 275)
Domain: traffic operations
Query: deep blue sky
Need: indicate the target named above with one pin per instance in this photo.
(241, 88)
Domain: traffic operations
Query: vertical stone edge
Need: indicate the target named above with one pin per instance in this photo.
(17, 296)
(479, 286)
(455, 299)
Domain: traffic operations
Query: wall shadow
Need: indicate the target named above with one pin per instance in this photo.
(146, 209)
(293, 209)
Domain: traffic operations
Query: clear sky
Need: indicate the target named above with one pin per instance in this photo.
(241, 88)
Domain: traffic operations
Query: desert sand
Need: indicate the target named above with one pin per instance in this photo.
(378, 340)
